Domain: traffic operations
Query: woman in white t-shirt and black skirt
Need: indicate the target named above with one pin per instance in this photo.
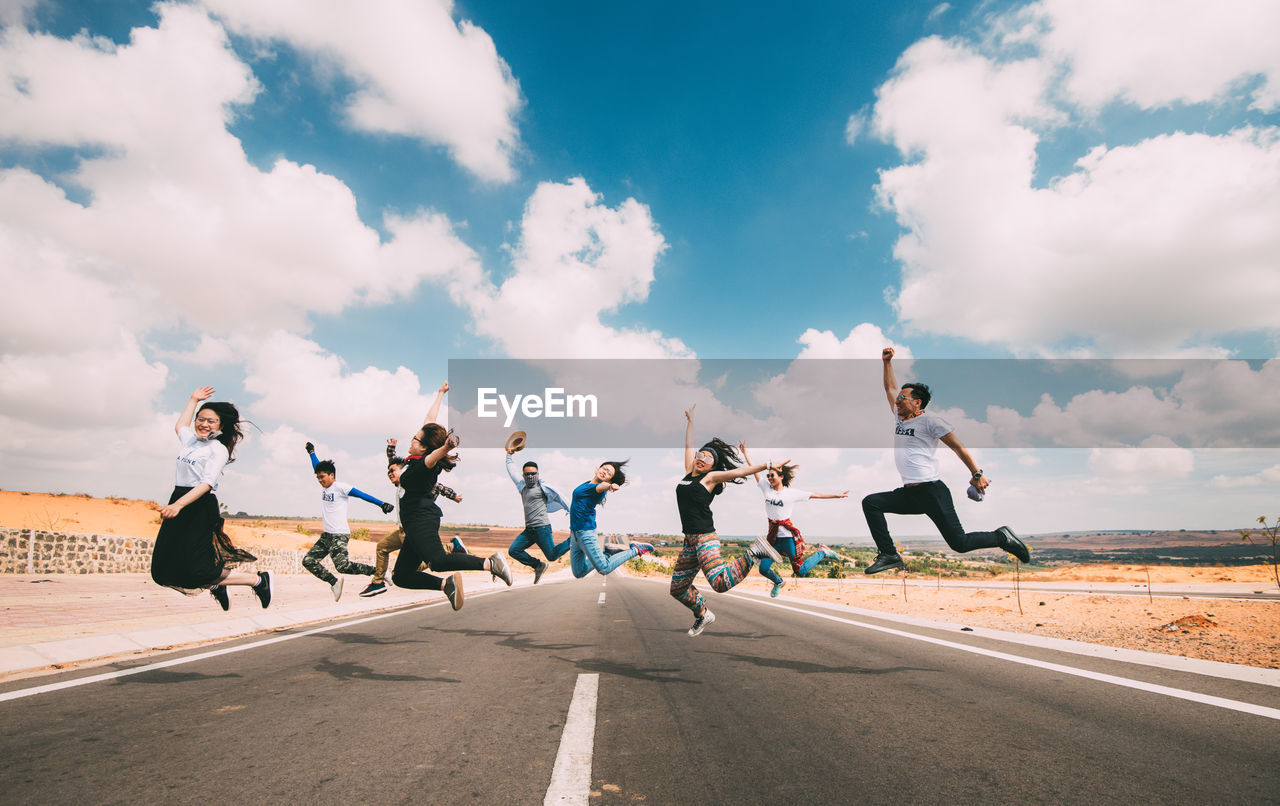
(192, 552)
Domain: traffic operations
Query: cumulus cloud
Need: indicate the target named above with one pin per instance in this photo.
(995, 252)
(1154, 53)
(418, 72)
(577, 259)
(185, 239)
(299, 382)
(1270, 476)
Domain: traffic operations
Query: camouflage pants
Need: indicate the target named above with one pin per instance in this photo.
(334, 546)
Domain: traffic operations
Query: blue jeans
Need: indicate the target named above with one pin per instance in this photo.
(585, 554)
(786, 546)
(540, 536)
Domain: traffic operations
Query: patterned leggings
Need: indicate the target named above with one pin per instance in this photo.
(335, 546)
(703, 552)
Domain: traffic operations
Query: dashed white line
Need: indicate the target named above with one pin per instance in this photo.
(571, 776)
(601, 599)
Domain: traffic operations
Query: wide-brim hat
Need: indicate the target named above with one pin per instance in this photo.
(516, 441)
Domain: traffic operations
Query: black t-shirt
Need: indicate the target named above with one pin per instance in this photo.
(418, 481)
(694, 501)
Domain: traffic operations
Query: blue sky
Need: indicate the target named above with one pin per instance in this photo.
(316, 208)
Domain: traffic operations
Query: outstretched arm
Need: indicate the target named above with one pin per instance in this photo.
(385, 507)
(439, 453)
(979, 480)
(844, 494)
(688, 438)
(391, 451)
(434, 412)
(311, 451)
(890, 382)
(189, 411)
(716, 476)
(742, 448)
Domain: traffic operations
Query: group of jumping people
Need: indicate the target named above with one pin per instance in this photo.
(193, 553)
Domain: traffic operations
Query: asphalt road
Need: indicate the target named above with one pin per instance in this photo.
(770, 705)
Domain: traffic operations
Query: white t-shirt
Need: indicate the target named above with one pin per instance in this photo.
(200, 461)
(333, 502)
(914, 444)
(779, 503)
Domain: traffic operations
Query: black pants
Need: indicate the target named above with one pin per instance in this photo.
(422, 545)
(932, 499)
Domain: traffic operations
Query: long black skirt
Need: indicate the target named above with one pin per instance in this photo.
(192, 551)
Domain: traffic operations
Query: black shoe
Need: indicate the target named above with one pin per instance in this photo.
(373, 589)
(458, 546)
(1010, 543)
(219, 592)
(453, 589)
(885, 562)
(537, 572)
(263, 588)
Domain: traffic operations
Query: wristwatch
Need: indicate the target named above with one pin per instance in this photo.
(977, 474)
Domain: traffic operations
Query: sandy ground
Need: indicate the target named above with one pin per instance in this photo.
(1245, 632)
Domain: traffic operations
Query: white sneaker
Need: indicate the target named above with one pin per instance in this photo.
(761, 549)
(336, 587)
(700, 624)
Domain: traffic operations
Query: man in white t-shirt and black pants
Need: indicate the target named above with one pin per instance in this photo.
(915, 442)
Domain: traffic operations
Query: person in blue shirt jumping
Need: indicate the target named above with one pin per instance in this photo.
(585, 553)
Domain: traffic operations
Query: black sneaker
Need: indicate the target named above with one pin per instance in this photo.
(373, 589)
(453, 590)
(885, 562)
(537, 572)
(219, 592)
(1010, 543)
(458, 546)
(263, 588)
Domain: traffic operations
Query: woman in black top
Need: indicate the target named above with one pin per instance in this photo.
(420, 517)
(707, 470)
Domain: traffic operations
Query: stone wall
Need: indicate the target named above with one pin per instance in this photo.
(39, 551)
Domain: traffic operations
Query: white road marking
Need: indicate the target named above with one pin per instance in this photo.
(571, 776)
(601, 599)
(150, 667)
(1193, 696)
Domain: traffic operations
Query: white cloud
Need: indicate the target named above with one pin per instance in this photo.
(110, 384)
(1154, 53)
(187, 240)
(1133, 471)
(419, 73)
(1155, 247)
(1270, 476)
(576, 260)
(865, 341)
(298, 382)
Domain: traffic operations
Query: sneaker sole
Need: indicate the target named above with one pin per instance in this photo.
(457, 592)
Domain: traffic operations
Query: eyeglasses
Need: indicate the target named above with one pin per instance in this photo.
(208, 420)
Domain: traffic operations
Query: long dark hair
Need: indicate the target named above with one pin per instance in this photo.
(229, 424)
(787, 473)
(433, 435)
(619, 477)
(726, 459)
